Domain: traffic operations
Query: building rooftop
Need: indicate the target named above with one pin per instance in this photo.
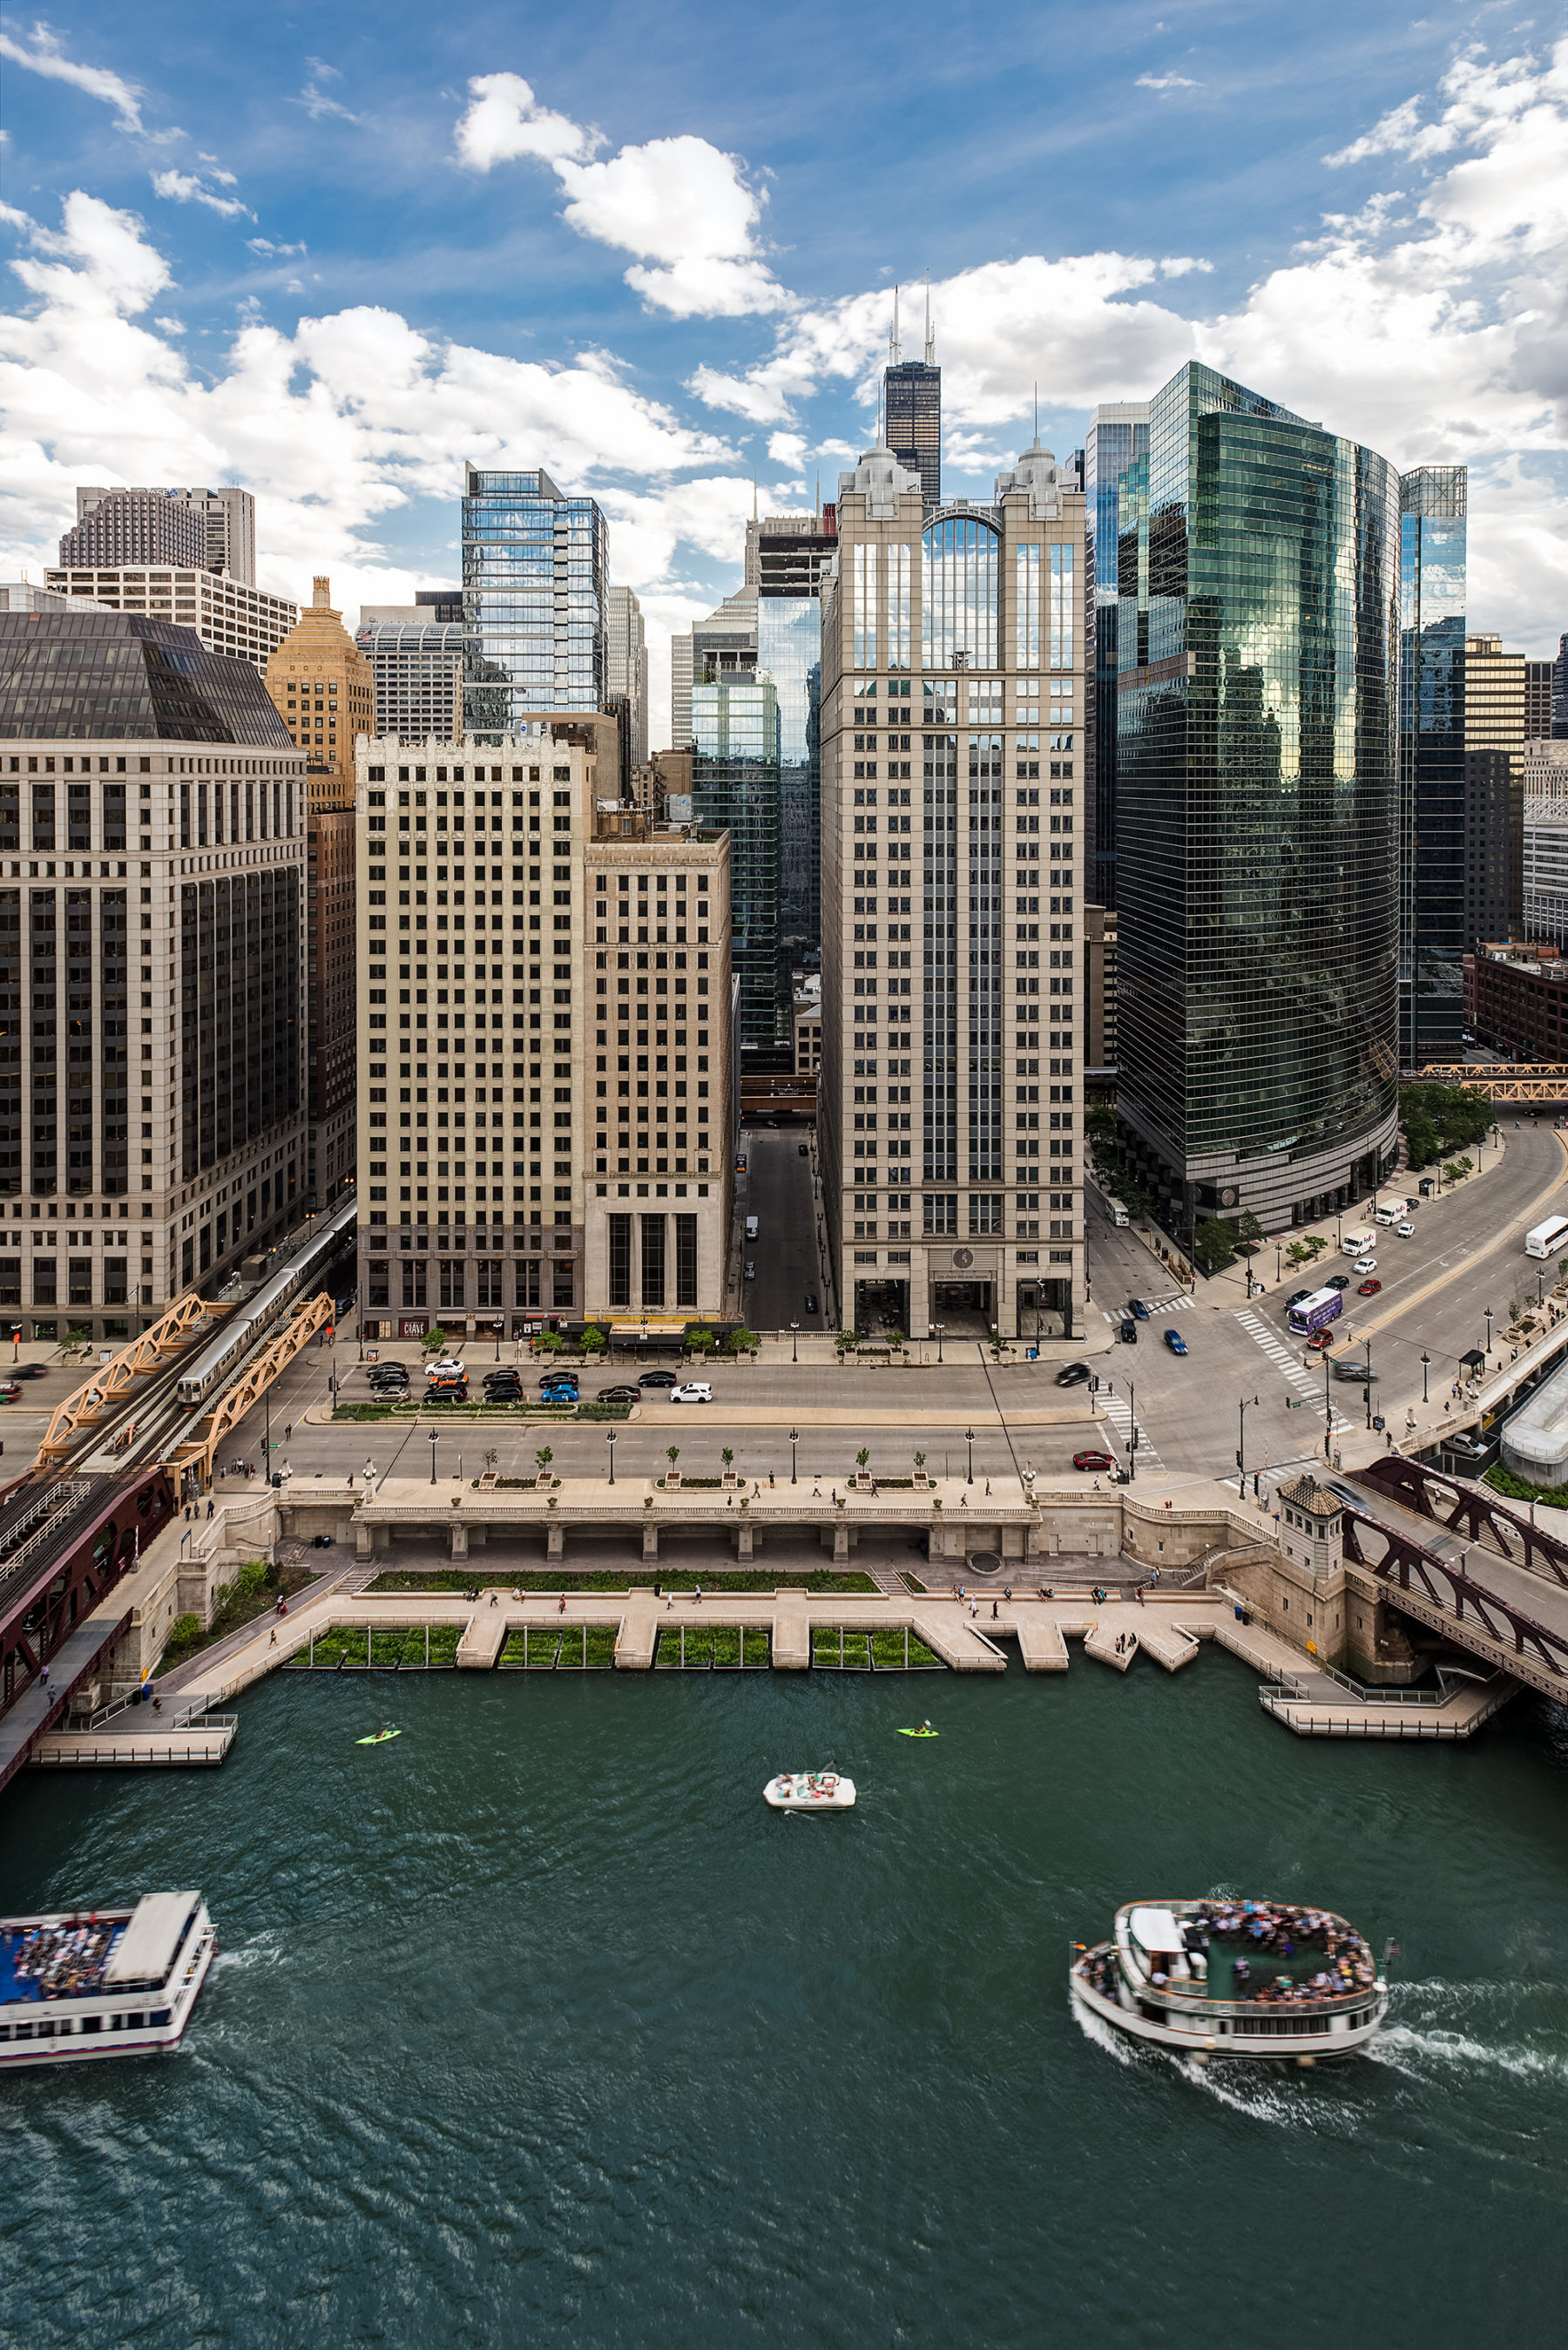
(94, 676)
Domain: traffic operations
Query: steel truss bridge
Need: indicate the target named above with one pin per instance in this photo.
(1534, 1085)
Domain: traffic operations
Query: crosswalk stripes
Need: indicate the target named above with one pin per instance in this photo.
(1115, 1314)
(1299, 1377)
(1120, 1418)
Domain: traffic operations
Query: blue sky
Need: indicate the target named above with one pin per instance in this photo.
(331, 253)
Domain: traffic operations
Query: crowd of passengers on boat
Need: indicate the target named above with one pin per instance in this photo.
(1279, 1931)
(61, 1962)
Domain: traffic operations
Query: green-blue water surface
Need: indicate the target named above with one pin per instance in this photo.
(536, 2021)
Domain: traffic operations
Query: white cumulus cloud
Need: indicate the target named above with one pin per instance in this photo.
(185, 188)
(681, 204)
(1167, 81)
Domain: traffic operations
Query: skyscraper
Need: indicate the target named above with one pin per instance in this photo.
(625, 668)
(951, 692)
(536, 582)
(325, 691)
(912, 410)
(785, 555)
(1257, 796)
(1116, 443)
(158, 1132)
(417, 661)
(1432, 782)
(1560, 692)
(224, 539)
(735, 789)
(723, 645)
(134, 527)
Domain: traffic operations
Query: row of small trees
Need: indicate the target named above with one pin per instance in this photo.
(593, 1341)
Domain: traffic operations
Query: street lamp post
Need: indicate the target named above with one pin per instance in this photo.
(1279, 1263)
(1487, 1310)
(939, 1328)
(1241, 1449)
(794, 1440)
(969, 1440)
(433, 1455)
(1425, 1358)
(1327, 1412)
(1132, 1431)
(1368, 1382)
(609, 1440)
(795, 1342)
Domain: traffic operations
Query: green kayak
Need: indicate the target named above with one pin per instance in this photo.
(380, 1739)
(926, 1733)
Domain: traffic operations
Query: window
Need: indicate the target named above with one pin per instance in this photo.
(985, 1212)
(377, 1282)
(941, 1212)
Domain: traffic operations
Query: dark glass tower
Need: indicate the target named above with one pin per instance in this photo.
(1117, 441)
(536, 576)
(913, 393)
(1257, 796)
(1432, 827)
(735, 789)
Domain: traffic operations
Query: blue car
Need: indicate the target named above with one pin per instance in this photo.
(559, 1392)
(1176, 1341)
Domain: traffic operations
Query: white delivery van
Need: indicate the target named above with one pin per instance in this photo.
(1392, 1211)
(751, 1228)
(1117, 1212)
(1356, 1244)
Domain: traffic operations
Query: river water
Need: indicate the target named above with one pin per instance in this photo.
(536, 2017)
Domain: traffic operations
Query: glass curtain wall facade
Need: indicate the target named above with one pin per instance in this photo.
(1432, 941)
(735, 789)
(1257, 787)
(789, 653)
(1117, 441)
(535, 580)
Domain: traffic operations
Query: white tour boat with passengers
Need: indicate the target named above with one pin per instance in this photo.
(810, 1791)
(1272, 1980)
(102, 1982)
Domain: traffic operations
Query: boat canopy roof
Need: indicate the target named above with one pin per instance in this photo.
(1155, 1929)
(148, 1947)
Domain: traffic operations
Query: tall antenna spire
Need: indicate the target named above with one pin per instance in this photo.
(754, 497)
(930, 341)
(1037, 416)
(895, 351)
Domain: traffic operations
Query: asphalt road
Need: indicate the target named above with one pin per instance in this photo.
(777, 1190)
(1432, 1301)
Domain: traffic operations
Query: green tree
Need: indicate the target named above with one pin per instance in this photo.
(595, 1340)
(1214, 1245)
(862, 1457)
(741, 1340)
(672, 1453)
(1249, 1233)
(544, 1457)
(728, 1457)
(435, 1341)
(1296, 1255)
(699, 1342)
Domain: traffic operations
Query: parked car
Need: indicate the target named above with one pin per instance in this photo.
(1296, 1296)
(811, 1304)
(621, 1395)
(9, 1391)
(1366, 1265)
(558, 1391)
(751, 1268)
(1136, 1308)
(449, 1367)
(802, 1150)
(1176, 1341)
(390, 1378)
(502, 1383)
(1100, 1460)
(1335, 1281)
(447, 1391)
(694, 1391)
(657, 1379)
(1368, 1288)
(1072, 1375)
(1128, 1332)
(741, 1162)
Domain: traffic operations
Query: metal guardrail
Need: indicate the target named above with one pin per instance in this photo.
(75, 1490)
(223, 1729)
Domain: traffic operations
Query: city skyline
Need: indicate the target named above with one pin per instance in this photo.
(308, 305)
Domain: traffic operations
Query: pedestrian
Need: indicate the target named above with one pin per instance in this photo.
(43, 1676)
(288, 1431)
(993, 1611)
(209, 1505)
(561, 1607)
(770, 1480)
(988, 1489)
(272, 1642)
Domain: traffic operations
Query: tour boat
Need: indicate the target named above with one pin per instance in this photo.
(1272, 1980)
(810, 1791)
(102, 1982)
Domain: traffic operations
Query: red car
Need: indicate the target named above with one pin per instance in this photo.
(1368, 1288)
(1101, 1461)
(1319, 1340)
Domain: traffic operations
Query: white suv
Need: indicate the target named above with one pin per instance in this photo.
(694, 1391)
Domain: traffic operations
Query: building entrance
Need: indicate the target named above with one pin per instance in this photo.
(881, 1307)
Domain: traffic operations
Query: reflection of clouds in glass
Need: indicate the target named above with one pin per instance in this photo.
(959, 566)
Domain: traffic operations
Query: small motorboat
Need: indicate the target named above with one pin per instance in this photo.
(810, 1791)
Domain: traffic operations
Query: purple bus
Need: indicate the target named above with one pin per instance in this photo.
(1315, 1311)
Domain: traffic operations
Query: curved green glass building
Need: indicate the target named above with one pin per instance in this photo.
(1257, 692)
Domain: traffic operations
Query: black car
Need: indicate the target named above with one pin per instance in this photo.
(1137, 1309)
(658, 1379)
(506, 1384)
(387, 1380)
(1336, 1281)
(810, 1305)
(1128, 1332)
(619, 1395)
(28, 1371)
(1296, 1296)
(801, 1150)
(1072, 1375)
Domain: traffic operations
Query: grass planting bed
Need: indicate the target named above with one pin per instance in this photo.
(441, 1579)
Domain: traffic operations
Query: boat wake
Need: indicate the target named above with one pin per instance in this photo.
(1408, 2049)
(1104, 2035)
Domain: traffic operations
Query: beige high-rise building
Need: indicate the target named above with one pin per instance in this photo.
(1494, 697)
(545, 1119)
(229, 615)
(325, 691)
(950, 1096)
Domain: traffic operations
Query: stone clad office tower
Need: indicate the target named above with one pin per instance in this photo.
(1257, 796)
(950, 1090)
